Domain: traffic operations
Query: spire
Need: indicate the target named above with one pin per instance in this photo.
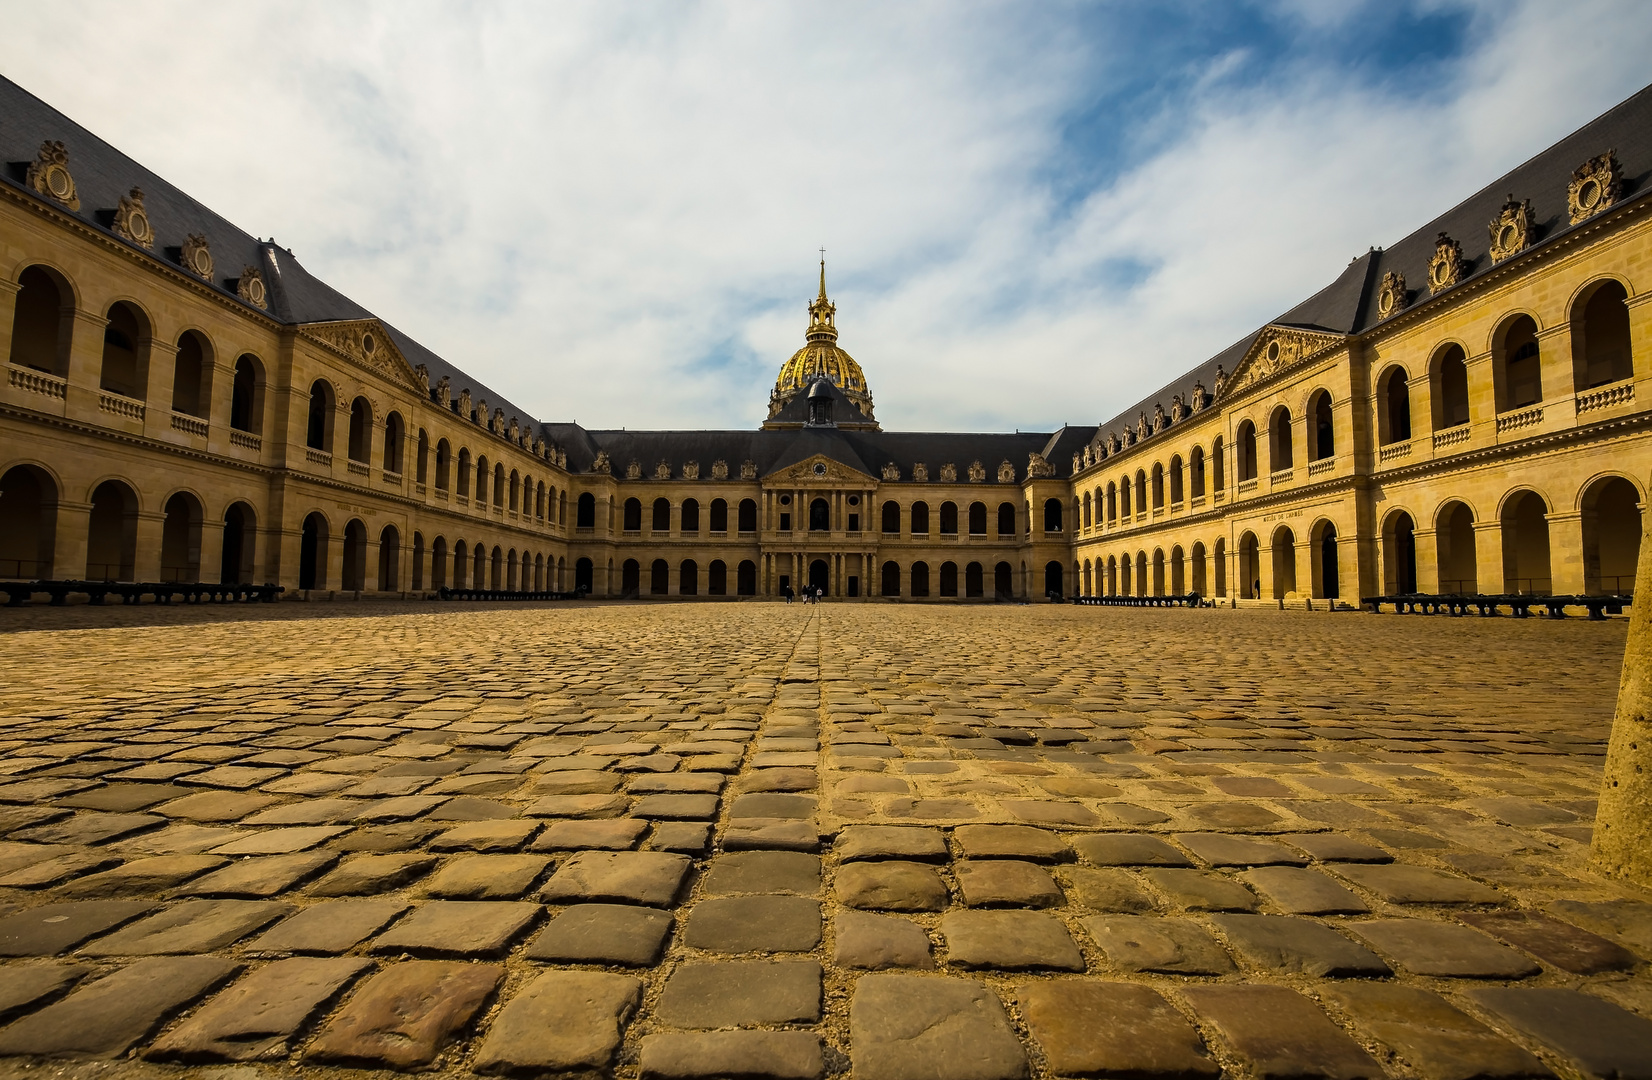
(822, 274)
(822, 312)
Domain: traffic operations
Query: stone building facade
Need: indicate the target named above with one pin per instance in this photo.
(1459, 412)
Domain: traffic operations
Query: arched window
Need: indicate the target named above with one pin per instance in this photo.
(630, 579)
(28, 523)
(719, 516)
(891, 516)
(444, 464)
(192, 376)
(246, 401)
(717, 578)
(355, 556)
(1052, 579)
(1526, 545)
(688, 578)
(1246, 437)
(820, 516)
(1322, 441)
(1140, 495)
(1175, 479)
(1124, 497)
(1327, 575)
(1052, 515)
(562, 507)
(361, 431)
(632, 521)
(1196, 472)
(949, 519)
(1284, 562)
(949, 579)
(40, 326)
(1611, 536)
(1449, 387)
(463, 471)
(393, 439)
(920, 579)
(499, 485)
(438, 563)
(1250, 568)
(585, 511)
(539, 503)
(920, 519)
(691, 517)
(1516, 367)
(585, 576)
(422, 468)
(1454, 543)
(748, 521)
(1394, 406)
(1086, 511)
(1006, 519)
(515, 488)
(181, 539)
(1196, 561)
(1158, 571)
(312, 553)
(661, 520)
(974, 580)
(1399, 554)
(125, 368)
(1600, 337)
(659, 578)
(1281, 453)
(1112, 502)
(1003, 585)
(746, 578)
(891, 583)
(1218, 467)
(390, 546)
(978, 519)
(319, 430)
(1158, 486)
(481, 480)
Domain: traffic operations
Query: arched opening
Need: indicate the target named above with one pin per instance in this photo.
(949, 579)
(891, 517)
(41, 322)
(1052, 515)
(1399, 554)
(819, 576)
(1327, 574)
(28, 522)
(1600, 337)
(1218, 467)
(631, 520)
(1526, 545)
(318, 432)
(481, 481)
(562, 507)
(1112, 585)
(394, 436)
(691, 518)
(746, 578)
(1195, 476)
(1003, 584)
(355, 556)
(920, 579)
(717, 578)
(498, 485)
(1139, 576)
(463, 473)
(1158, 486)
(661, 520)
(1281, 453)
(978, 519)
(1158, 571)
(1516, 366)
(422, 468)
(1175, 480)
(1124, 497)
(891, 583)
(688, 578)
(438, 563)
(444, 462)
(479, 567)
(1052, 579)
(1178, 572)
(514, 500)
(748, 517)
(361, 431)
(1085, 520)
(949, 519)
(235, 555)
(1006, 519)
(1196, 556)
(719, 516)
(1141, 492)
(1086, 582)
(112, 533)
(312, 553)
(1247, 451)
(538, 572)
(585, 576)
(1112, 502)
(585, 512)
(1454, 541)
(820, 516)
(539, 503)
(461, 564)
(1449, 387)
(181, 539)
(974, 580)
(192, 376)
(659, 578)
(390, 549)
(496, 580)
(1219, 564)
(1322, 442)
(1250, 568)
(1284, 563)
(1611, 536)
(1394, 406)
(1126, 574)
(125, 369)
(920, 519)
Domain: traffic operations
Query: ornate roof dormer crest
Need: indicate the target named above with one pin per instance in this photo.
(1595, 186)
(49, 174)
(1446, 268)
(1512, 230)
(131, 221)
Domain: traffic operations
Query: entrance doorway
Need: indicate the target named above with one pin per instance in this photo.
(818, 575)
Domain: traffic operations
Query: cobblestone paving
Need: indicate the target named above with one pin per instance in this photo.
(754, 840)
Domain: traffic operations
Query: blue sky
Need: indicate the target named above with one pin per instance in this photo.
(1033, 213)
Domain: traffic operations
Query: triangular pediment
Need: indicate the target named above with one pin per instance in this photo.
(829, 470)
(366, 342)
(1275, 350)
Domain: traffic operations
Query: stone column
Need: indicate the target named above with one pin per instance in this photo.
(212, 550)
(1623, 824)
(8, 315)
(1428, 560)
(1488, 556)
(69, 538)
(146, 561)
(1566, 552)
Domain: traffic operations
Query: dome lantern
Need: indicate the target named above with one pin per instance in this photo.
(821, 357)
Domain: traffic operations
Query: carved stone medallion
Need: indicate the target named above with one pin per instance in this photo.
(1391, 296)
(196, 256)
(949, 473)
(49, 174)
(132, 221)
(920, 473)
(1445, 269)
(633, 471)
(1006, 473)
(691, 470)
(891, 471)
(1595, 186)
(977, 472)
(662, 470)
(250, 287)
(748, 470)
(719, 469)
(1511, 229)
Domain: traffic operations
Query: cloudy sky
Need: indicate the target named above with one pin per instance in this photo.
(1033, 213)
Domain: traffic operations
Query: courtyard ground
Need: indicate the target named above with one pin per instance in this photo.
(750, 839)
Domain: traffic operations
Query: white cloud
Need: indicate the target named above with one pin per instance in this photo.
(609, 212)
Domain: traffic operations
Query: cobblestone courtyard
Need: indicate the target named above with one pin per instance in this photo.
(892, 842)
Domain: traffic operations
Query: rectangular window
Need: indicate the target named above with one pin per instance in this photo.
(785, 523)
(854, 523)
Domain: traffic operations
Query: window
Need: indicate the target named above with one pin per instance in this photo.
(978, 519)
(1006, 519)
(632, 521)
(719, 516)
(691, 516)
(1600, 338)
(1517, 366)
(1175, 479)
(1450, 391)
(1052, 515)
(1395, 418)
(192, 376)
(1321, 429)
(1281, 454)
(748, 520)
(1247, 451)
(920, 519)
(661, 520)
(820, 516)
(585, 513)
(39, 339)
(393, 440)
(125, 352)
(361, 429)
(319, 431)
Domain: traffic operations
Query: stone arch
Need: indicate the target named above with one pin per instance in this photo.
(690, 523)
(748, 518)
(1178, 571)
(355, 556)
(1219, 561)
(1393, 405)
(181, 537)
(919, 518)
(585, 511)
(978, 518)
(891, 517)
(1611, 533)
(585, 576)
(719, 516)
(1196, 559)
(28, 521)
(444, 464)
(1112, 575)
(192, 375)
(1399, 553)
(438, 563)
(1281, 451)
(1003, 582)
(1052, 579)
(1454, 545)
(890, 585)
(126, 346)
(1177, 495)
(1602, 348)
(499, 484)
(1526, 555)
(1052, 515)
(717, 578)
(112, 532)
(1195, 473)
(1158, 486)
(1006, 519)
(1516, 362)
(43, 320)
(314, 536)
(949, 579)
(660, 516)
(631, 519)
(496, 579)
(1158, 571)
(949, 518)
(1143, 584)
(820, 515)
(390, 550)
(746, 578)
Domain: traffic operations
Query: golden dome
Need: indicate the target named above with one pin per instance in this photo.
(821, 356)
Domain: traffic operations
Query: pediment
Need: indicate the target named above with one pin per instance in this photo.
(829, 470)
(1277, 349)
(365, 342)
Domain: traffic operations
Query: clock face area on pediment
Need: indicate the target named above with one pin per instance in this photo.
(819, 471)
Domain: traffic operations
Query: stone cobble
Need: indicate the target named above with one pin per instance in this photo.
(798, 842)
